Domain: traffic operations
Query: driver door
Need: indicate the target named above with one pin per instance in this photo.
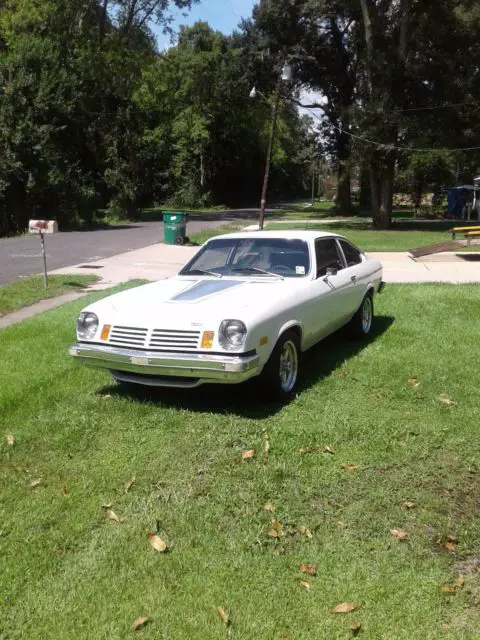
(332, 289)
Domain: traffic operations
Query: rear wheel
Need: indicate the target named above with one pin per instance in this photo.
(360, 325)
(280, 374)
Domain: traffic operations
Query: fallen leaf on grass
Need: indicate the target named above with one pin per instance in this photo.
(140, 622)
(355, 628)
(444, 399)
(223, 615)
(64, 491)
(129, 483)
(460, 581)
(401, 443)
(448, 589)
(413, 382)
(305, 531)
(266, 447)
(10, 440)
(349, 467)
(269, 506)
(108, 505)
(409, 505)
(311, 569)
(344, 607)
(113, 516)
(399, 534)
(276, 531)
(157, 543)
(305, 584)
(35, 483)
(319, 449)
(455, 586)
(106, 396)
(251, 453)
(450, 543)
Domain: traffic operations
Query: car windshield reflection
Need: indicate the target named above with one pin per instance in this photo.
(251, 257)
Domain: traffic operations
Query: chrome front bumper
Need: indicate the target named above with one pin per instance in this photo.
(202, 366)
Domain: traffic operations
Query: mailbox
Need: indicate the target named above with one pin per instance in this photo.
(42, 226)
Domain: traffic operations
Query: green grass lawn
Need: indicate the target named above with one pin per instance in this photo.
(402, 236)
(68, 571)
(31, 289)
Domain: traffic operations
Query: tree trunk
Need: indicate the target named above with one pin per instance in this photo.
(343, 203)
(382, 175)
(103, 20)
(365, 187)
(202, 171)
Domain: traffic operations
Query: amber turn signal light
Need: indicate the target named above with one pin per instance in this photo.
(207, 339)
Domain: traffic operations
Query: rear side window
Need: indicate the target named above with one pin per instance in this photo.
(328, 256)
(352, 255)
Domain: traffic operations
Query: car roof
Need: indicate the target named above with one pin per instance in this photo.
(288, 234)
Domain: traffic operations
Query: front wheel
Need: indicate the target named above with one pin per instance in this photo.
(280, 375)
(360, 325)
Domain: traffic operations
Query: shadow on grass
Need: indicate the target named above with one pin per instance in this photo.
(246, 400)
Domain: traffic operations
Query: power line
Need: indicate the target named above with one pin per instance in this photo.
(382, 145)
(439, 106)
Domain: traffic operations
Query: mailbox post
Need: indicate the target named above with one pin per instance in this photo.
(41, 227)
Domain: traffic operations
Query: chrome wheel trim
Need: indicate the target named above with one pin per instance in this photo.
(288, 370)
(367, 315)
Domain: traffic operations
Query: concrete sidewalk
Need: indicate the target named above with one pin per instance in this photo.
(160, 261)
(155, 262)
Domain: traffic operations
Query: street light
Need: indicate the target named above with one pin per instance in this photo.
(285, 76)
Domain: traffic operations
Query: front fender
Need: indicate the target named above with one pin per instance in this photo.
(273, 331)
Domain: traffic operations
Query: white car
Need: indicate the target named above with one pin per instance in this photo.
(246, 305)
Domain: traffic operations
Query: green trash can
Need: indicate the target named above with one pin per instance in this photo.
(175, 227)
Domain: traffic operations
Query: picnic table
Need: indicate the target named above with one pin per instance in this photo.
(468, 232)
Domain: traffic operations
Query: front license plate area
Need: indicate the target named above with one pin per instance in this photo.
(139, 360)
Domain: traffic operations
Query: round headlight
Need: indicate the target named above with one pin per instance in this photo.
(87, 325)
(232, 334)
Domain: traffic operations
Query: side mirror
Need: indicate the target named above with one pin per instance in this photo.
(331, 271)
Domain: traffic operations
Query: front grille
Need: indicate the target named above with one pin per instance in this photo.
(173, 339)
(128, 337)
(158, 340)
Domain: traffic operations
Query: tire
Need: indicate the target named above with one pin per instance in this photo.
(360, 326)
(280, 375)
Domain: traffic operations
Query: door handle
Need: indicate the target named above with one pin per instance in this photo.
(353, 278)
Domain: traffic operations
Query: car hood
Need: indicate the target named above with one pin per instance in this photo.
(191, 300)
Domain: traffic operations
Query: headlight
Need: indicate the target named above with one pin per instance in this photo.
(87, 325)
(232, 334)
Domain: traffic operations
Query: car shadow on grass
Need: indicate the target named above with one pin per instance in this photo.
(248, 400)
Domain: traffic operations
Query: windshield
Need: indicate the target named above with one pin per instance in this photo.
(255, 257)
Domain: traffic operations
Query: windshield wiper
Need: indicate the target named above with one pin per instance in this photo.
(257, 270)
(205, 272)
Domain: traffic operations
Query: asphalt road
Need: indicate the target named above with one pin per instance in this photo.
(22, 256)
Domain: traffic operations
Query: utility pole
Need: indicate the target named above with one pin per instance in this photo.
(273, 127)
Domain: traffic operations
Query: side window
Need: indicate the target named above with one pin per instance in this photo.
(352, 256)
(327, 256)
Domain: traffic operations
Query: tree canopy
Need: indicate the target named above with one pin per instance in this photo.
(93, 115)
